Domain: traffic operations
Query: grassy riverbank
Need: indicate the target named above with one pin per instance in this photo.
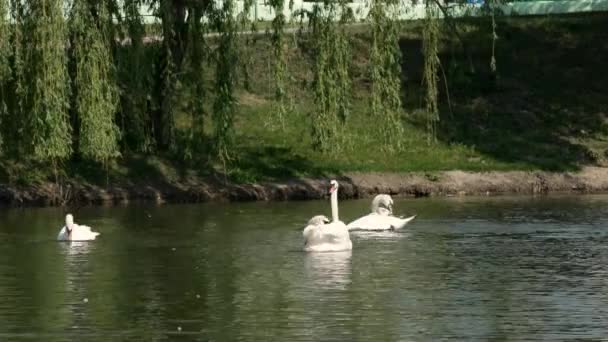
(546, 110)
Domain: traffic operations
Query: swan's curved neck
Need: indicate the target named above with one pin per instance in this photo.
(334, 206)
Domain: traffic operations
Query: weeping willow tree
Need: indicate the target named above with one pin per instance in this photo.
(48, 128)
(332, 84)
(224, 106)
(5, 71)
(279, 55)
(134, 67)
(430, 48)
(164, 80)
(94, 83)
(385, 73)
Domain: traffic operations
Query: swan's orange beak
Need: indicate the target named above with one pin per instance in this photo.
(332, 189)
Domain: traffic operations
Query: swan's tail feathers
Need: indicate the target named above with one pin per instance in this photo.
(409, 218)
(402, 223)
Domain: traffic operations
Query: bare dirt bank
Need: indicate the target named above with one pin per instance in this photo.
(352, 185)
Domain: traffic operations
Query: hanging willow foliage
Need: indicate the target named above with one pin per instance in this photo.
(342, 61)
(165, 123)
(14, 124)
(324, 120)
(430, 42)
(134, 66)
(280, 62)
(247, 43)
(94, 83)
(332, 84)
(492, 4)
(5, 71)
(385, 70)
(224, 106)
(196, 58)
(48, 128)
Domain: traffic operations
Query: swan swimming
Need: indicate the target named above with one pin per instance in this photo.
(381, 217)
(321, 235)
(75, 232)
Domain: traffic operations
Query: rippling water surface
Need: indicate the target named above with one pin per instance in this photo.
(504, 268)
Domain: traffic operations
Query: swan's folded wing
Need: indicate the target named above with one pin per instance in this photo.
(335, 232)
(84, 228)
(307, 231)
(371, 222)
(313, 234)
(379, 222)
(328, 237)
(83, 233)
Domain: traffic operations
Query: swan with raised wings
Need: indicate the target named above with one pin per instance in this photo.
(321, 235)
(75, 232)
(381, 217)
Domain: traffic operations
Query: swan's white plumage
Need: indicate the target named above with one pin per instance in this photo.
(311, 231)
(381, 217)
(78, 232)
(329, 237)
(375, 221)
(320, 235)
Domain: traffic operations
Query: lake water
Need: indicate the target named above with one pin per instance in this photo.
(492, 268)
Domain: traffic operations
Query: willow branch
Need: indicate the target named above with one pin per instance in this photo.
(450, 20)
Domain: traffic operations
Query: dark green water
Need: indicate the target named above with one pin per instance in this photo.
(508, 268)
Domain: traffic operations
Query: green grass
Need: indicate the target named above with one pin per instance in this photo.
(265, 153)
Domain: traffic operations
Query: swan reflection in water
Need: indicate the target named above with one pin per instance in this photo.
(329, 270)
(77, 267)
(73, 250)
(78, 273)
(393, 235)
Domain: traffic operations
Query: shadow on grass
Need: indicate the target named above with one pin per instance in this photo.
(511, 138)
(137, 170)
(544, 108)
(268, 163)
(251, 164)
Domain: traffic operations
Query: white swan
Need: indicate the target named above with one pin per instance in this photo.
(381, 217)
(320, 235)
(75, 232)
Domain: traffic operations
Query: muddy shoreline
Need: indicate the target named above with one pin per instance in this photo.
(352, 185)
